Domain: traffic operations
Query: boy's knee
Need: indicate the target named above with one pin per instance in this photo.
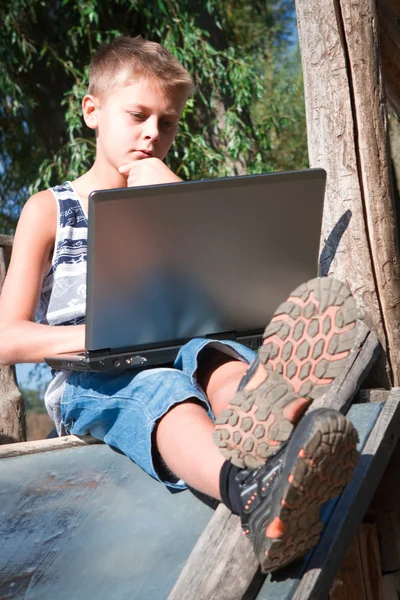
(209, 360)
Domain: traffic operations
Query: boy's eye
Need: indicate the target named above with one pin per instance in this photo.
(169, 124)
(139, 116)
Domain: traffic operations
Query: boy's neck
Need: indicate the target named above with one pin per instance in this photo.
(99, 177)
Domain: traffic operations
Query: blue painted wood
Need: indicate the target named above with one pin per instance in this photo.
(282, 584)
(88, 523)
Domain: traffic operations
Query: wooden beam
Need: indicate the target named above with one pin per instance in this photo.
(371, 561)
(360, 576)
(347, 136)
(227, 561)
(349, 582)
(387, 496)
(388, 526)
(34, 447)
(352, 505)
(391, 586)
(378, 395)
(12, 411)
(366, 350)
(6, 241)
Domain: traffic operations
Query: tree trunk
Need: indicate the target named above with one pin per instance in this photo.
(348, 137)
(12, 411)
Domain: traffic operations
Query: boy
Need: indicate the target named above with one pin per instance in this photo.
(163, 419)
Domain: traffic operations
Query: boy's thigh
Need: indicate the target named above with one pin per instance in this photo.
(140, 398)
(92, 402)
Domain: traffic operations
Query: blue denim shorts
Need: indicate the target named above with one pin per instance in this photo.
(122, 409)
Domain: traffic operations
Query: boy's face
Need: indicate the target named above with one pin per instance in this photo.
(136, 121)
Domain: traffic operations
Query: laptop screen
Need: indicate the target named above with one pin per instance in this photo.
(192, 259)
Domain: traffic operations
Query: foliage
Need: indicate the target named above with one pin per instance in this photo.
(247, 114)
(33, 400)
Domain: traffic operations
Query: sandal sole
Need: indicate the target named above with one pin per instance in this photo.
(318, 465)
(305, 347)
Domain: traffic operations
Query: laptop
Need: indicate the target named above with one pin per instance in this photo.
(211, 259)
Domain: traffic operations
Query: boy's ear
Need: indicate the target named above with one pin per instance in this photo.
(90, 105)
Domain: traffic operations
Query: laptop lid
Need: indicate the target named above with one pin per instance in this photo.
(192, 259)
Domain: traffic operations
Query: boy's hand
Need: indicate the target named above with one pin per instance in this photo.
(149, 171)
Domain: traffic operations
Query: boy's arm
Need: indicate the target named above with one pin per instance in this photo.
(21, 340)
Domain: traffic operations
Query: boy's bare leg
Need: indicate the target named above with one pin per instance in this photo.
(220, 379)
(184, 440)
(184, 434)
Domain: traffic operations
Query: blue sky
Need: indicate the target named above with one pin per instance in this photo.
(24, 379)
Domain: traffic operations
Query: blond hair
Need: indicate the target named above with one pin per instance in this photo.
(126, 60)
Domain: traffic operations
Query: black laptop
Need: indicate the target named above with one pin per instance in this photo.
(211, 258)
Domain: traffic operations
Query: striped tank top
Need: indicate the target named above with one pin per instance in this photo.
(63, 295)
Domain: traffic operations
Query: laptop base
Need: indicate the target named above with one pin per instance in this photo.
(114, 362)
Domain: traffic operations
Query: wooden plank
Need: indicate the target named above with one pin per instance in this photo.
(12, 412)
(223, 564)
(349, 582)
(387, 495)
(379, 395)
(86, 522)
(6, 241)
(371, 561)
(353, 503)
(60, 443)
(360, 577)
(341, 393)
(391, 586)
(388, 526)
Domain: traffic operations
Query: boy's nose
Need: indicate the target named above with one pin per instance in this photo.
(151, 130)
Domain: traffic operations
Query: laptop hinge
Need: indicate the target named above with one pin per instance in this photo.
(225, 335)
(103, 352)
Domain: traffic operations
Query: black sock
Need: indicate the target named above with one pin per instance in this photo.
(229, 488)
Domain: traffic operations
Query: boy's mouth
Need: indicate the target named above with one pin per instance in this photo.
(144, 153)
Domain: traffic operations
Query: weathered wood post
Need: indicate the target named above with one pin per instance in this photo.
(349, 50)
(12, 411)
(348, 137)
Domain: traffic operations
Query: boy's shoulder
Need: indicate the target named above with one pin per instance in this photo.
(40, 212)
(45, 200)
(42, 201)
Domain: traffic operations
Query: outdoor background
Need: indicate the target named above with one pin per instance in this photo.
(247, 115)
